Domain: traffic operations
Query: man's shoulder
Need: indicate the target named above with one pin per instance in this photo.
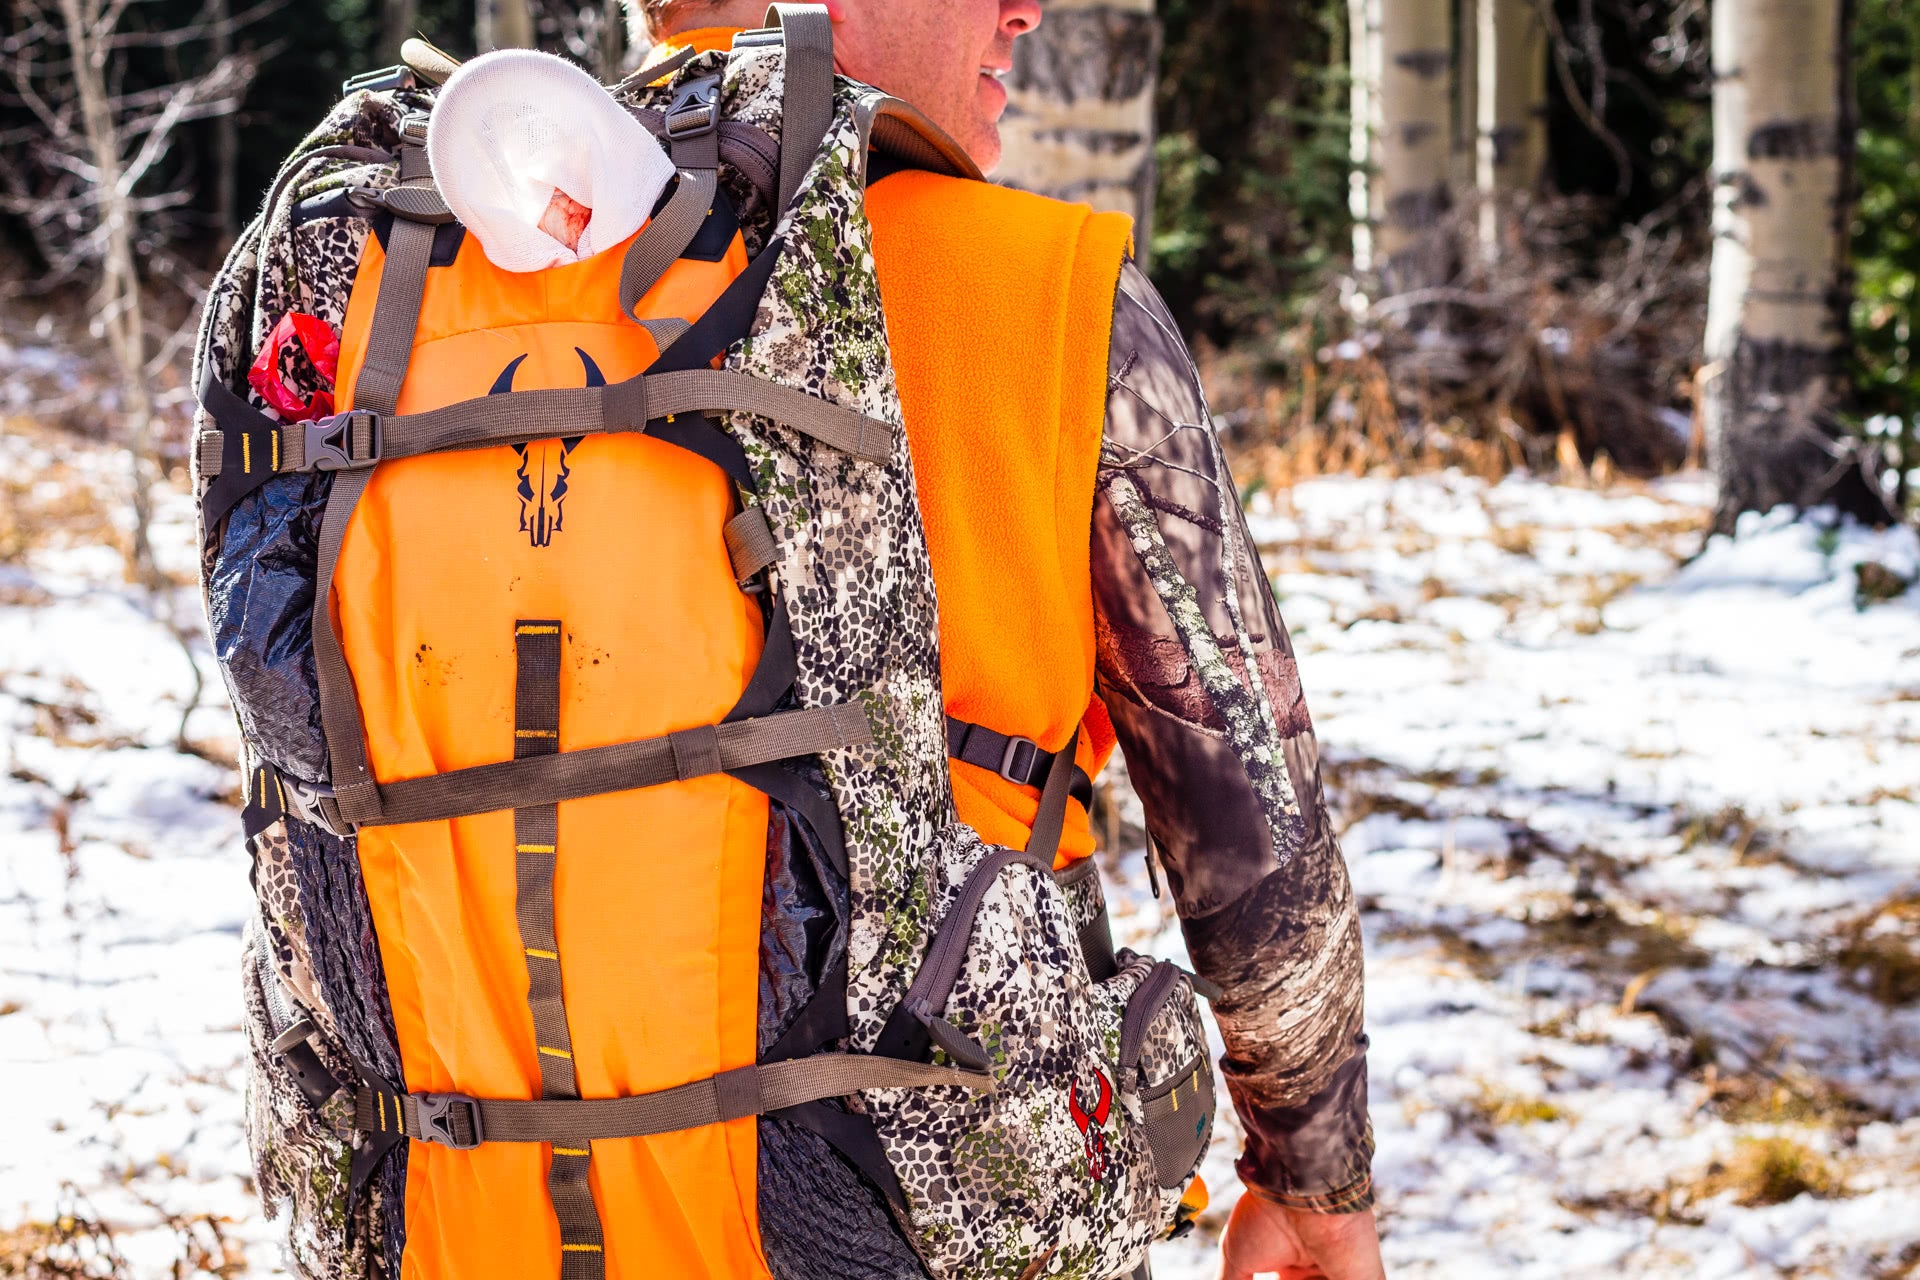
(964, 226)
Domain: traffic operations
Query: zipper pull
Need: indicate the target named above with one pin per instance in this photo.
(1153, 865)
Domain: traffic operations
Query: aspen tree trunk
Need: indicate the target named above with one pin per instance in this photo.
(1403, 53)
(398, 18)
(1079, 120)
(1363, 183)
(502, 24)
(611, 63)
(1466, 94)
(1776, 339)
(1511, 40)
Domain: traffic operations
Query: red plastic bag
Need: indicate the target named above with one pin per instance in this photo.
(322, 347)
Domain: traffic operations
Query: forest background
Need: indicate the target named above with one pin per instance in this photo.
(1511, 205)
(1517, 317)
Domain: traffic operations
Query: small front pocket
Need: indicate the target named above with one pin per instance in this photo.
(1164, 1068)
(1053, 1166)
(300, 1160)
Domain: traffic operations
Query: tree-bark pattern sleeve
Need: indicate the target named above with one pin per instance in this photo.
(1198, 675)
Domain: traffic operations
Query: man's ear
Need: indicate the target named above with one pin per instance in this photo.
(638, 37)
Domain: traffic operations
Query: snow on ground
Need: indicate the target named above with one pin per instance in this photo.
(1638, 847)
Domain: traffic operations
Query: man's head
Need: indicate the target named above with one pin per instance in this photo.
(943, 56)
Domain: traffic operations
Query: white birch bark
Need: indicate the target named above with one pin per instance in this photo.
(1079, 120)
(1776, 337)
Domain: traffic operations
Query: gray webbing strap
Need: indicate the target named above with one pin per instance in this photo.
(622, 766)
(721, 391)
(750, 543)
(806, 109)
(339, 703)
(403, 280)
(665, 330)
(462, 1122)
(523, 416)
(536, 834)
(396, 312)
(1051, 819)
(666, 235)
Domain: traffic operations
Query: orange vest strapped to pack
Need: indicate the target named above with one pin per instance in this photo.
(618, 582)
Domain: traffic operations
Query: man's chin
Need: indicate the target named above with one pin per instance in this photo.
(984, 147)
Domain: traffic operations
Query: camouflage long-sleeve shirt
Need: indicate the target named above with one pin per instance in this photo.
(1198, 675)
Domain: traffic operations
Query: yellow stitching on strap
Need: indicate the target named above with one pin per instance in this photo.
(533, 848)
(536, 733)
(580, 1248)
(536, 631)
(246, 454)
(558, 1053)
(380, 1100)
(276, 451)
(572, 1151)
(400, 1116)
(544, 955)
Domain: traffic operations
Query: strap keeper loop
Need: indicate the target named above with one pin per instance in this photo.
(696, 752)
(737, 1093)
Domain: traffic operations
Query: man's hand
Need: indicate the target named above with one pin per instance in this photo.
(1262, 1236)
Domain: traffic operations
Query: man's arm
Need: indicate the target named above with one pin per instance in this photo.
(1198, 675)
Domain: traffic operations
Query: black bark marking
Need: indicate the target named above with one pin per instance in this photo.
(1425, 63)
(1794, 140)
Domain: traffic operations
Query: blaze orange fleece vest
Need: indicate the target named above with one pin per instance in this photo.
(999, 310)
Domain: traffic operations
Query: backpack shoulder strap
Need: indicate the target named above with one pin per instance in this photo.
(805, 34)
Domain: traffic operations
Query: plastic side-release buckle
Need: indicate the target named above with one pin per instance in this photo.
(1017, 761)
(695, 110)
(438, 1114)
(314, 802)
(394, 77)
(330, 441)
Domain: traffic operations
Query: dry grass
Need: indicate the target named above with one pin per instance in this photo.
(52, 505)
(1880, 951)
(1735, 828)
(1770, 1097)
(79, 1245)
(1347, 421)
(74, 1246)
(1764, 1171)
(1500, 1108)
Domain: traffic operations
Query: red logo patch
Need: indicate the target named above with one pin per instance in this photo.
(1092, 1124)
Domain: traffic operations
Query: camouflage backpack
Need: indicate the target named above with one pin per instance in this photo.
(1027, 1102)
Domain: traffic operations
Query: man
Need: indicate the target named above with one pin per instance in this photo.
(1051, 408)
